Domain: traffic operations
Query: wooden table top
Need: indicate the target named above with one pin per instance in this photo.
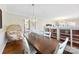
(42, 43)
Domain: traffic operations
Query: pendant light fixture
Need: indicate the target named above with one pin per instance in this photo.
(33, 19)
(30, 23)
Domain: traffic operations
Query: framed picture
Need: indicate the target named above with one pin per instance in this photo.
(0, 18)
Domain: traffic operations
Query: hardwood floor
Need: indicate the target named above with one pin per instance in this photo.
(14, 47)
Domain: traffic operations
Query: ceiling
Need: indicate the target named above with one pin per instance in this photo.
(45, 11)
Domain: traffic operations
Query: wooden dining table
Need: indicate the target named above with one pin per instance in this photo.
(43, 44)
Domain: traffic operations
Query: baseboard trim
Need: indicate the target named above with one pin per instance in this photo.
(2, 46)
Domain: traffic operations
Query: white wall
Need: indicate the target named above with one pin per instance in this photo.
(45, 12)
(2, 31)
(14, 19)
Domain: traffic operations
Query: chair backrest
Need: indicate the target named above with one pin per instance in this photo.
(47, 34)
(28, 47)
(26, 44)
(62, 46)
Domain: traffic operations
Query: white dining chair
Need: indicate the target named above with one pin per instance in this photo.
(28, 48)
(61, 47)
(47, 34)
